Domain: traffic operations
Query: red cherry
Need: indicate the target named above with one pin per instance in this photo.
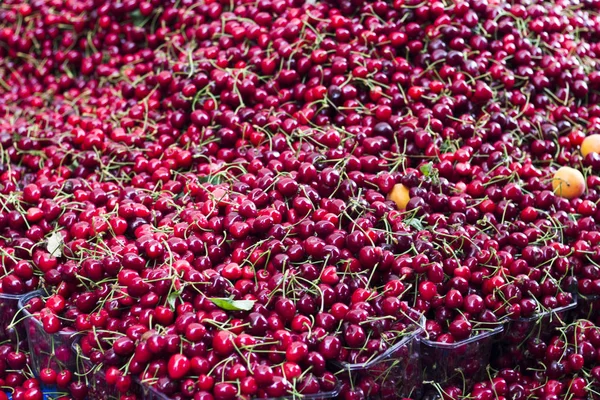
(355, 336)
(330, 347)
(454, 299)
(460, 328)
(473, 304)
(427, 290)
(51, 323)
(48, 376)
(33, 394)
(296, 352)
(225, 391)
(223, 343)
(179, 366)
(63, 378)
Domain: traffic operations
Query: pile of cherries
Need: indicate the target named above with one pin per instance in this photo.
(237, 199)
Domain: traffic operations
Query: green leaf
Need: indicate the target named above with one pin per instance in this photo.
(137, 18)
(415, 223)
(426, 169)
(212, 179)
(233, 305)
(172, 298)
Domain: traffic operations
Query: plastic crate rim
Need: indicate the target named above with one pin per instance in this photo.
(483, 335)
(414, 335)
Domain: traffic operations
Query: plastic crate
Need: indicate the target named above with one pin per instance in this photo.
(462, 363)
(147, 392)
(332, 394)
(539, 325)
(397, 370)
(588, 307)
(47, 350)
(11, 328)
(150, 393)
(49, 393)
(98, 389)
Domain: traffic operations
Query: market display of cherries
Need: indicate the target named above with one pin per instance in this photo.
(299, 199)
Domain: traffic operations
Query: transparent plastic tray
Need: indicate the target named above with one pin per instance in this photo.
(47, 350)
(332, 394)
(397, 370)
(47, 394)
(460, 363)
(9, 307)
(588, 307)
(98, 389)
(149, 393)
(539, 325)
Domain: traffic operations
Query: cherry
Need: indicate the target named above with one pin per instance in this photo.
(179, 366)
(16, 360)
(223, 343)
(355, 336)
(225, 391)
(473, 304)
(296, 352)
(48, 376)
(330, 347)
(78, 390)
(454, 299)
(33, 394)
(427, 290)
(63, 378)
(576, 361)
(123, 346)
